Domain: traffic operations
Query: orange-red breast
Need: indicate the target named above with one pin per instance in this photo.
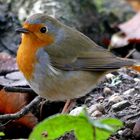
(59, 62)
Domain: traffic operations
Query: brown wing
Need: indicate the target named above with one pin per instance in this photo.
(77, 52)
(91, 63)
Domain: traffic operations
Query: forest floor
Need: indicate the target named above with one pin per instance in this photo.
(117, 95)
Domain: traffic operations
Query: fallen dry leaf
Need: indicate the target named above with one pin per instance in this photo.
(131, 29)
(13, 102)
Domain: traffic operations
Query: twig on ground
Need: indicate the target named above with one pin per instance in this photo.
(23, 111)
(19, 89)
(130, 53)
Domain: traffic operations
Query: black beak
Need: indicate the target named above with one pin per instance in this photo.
(22, 30)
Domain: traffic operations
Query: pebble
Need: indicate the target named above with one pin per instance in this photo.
(96, 113)
(76, 111)
(133, 106)
(136, 129)
(100, 98)
(127, 132)
(120, 114)
(137, 80)
(88, 99)
(15, 76)
(110, 76)
(120, 105)
(115, 98)
(129, 92)
(96, 107)
(120, 132)
(19, 83)
(107, 91)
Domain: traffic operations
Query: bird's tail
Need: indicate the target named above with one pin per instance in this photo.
(130, 63)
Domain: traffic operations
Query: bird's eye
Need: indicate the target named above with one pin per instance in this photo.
(43, 29)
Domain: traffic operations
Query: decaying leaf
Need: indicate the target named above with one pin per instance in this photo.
(131, 31)
(132, 27)
(11, 103)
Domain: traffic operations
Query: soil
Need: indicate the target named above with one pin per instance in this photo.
(127, 88)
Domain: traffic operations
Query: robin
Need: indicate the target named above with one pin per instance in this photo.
(61, 63)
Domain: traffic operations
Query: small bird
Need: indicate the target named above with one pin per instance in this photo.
(59, 62)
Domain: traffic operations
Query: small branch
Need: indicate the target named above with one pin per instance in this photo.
(19, 89)
(134, 116)
(23, 111)
(130, 53)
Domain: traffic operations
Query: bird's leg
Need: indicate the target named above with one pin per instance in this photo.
(68, 105)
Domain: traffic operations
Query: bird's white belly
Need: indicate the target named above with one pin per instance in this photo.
(54, 84)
